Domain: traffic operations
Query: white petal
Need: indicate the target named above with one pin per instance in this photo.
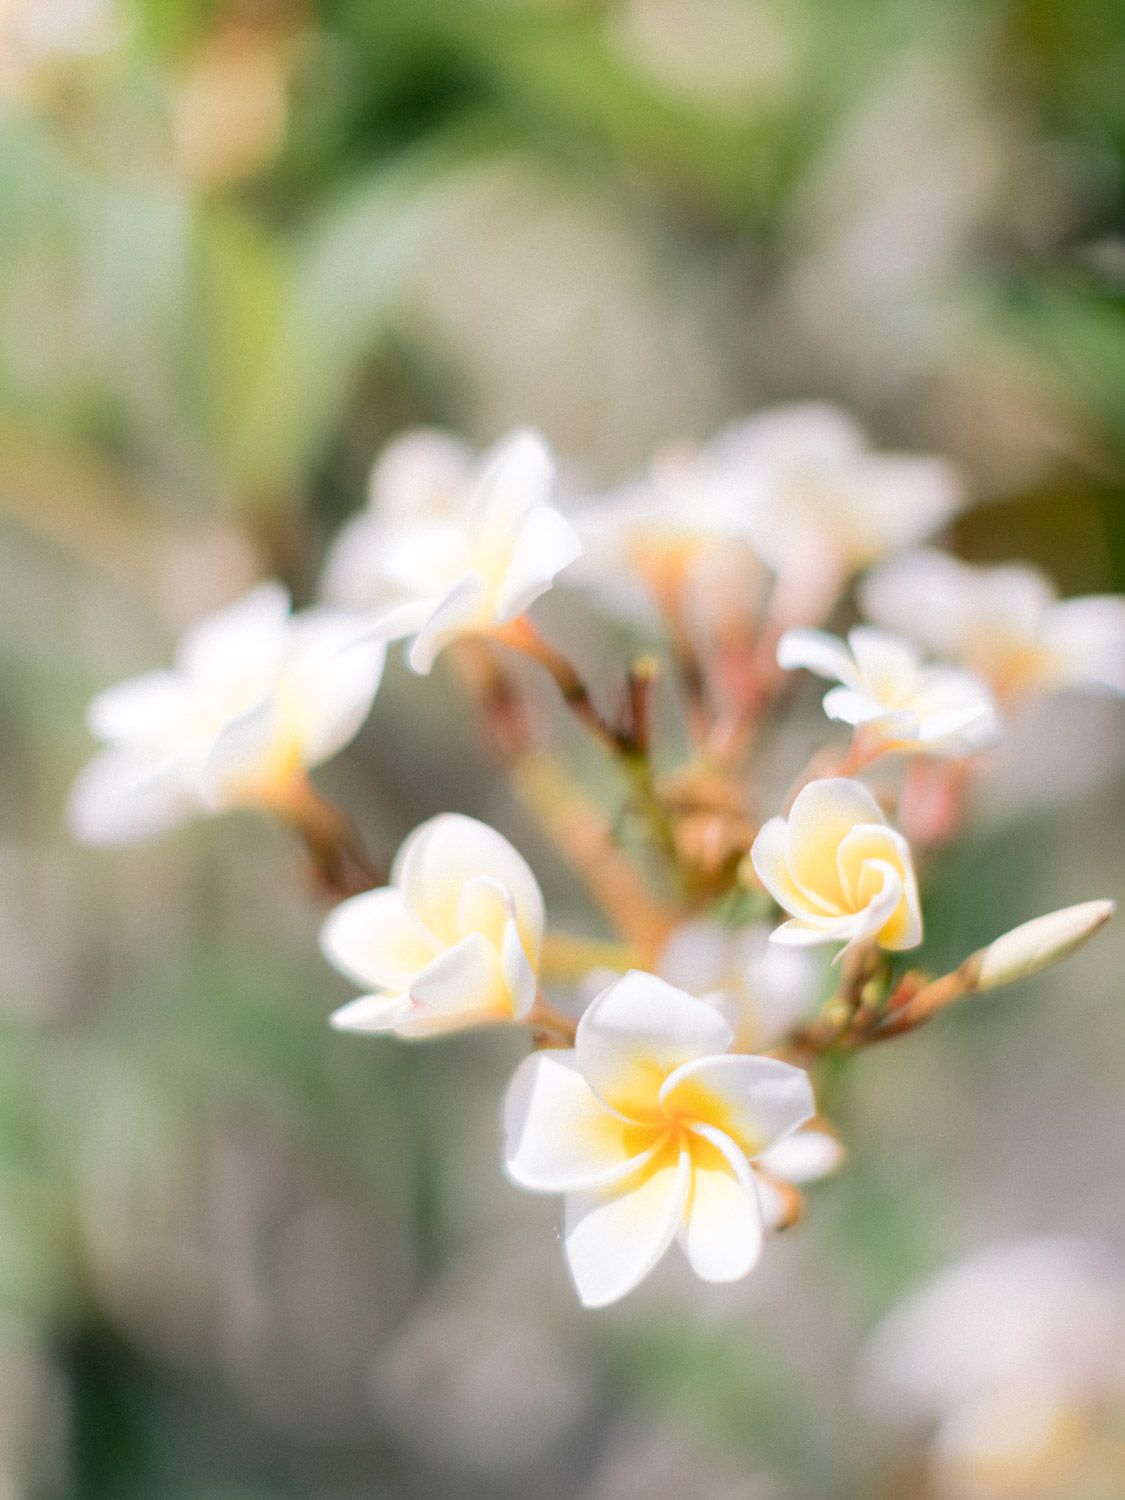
(353, 570)
(440, 858)
(420, 475)
(520, 977)
(823, 814)
(245, 755)
(755, 1101)
(331, 681)
(462, 611)
(559, 1136)
(888, 665)
(848, 707)
(637, 1032)
(371, 1013)
(1088, 637)
(818, 652)
(462, 987)
(809, 931)
(545, 544)
(804, 1156)
(248, 637)
(140, 711)
(721, 1231)
(122, 797)
(375, 939)
(517, 474)
(769, 855)
(615, 1236)
(808, 431)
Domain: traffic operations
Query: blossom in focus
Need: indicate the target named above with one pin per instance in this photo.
(256, 697)
(885, 690)
(826, 506)
(1005, 623)
(452, 941)
(839, 870)
(649, 1126)
(449, 545)
(762, 989)
(1005, 1365)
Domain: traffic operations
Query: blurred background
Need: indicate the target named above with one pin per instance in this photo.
(241, 243)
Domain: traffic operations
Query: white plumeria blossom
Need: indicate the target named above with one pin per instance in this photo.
(452, 941)
(762, 989)
(256, 696)
(452, 546)
(840, 871)
(887, 691)
(826, 506)
(1005, 623)
(997, 1354)
(649, 1127)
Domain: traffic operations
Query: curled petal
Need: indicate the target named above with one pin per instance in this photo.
(817, 651)
(462, 611)
(375, 939)
(545, 544)
(637, 1032)
(373, 1013)
(463, 986)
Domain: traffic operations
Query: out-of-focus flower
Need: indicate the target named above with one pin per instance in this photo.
(667, 529)
(257, 696)
(36, 35)
(762, 989)
(839, 870)
(1005, 623)
(649, 1127)
(451, 548)
(453, 941)
(1010, 1358)
(899, 703)
(827, 506)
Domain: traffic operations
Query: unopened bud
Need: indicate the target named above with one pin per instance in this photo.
(1037, 944)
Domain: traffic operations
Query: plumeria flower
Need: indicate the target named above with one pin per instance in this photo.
(649, 1126)
(452, 547)
(1005, 623)
(1007, 1357)
(453, 941)
(670, 529)
(827, 506)
(784, 1168)
(762, 989)
(839, 870)
(257, 696)
(888, 694)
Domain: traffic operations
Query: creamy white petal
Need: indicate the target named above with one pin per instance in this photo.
(375, 939)
(123, 796)
(332, 679)
(817, 651)
(614, 1237)
(807, 932)
(545, 544)
(518, 971)
(636, 1032)
(517, 474)
(421, 474)
(242, 756)
(462, 986)
(1087, 636)
(247, 637)
(755, 1101)
(140, 711)
(440, 858)
(721, 1231)
(822, 815)
(804, 1156)
(373, 1013)
(558, 1134)
(461, 612)
(888, 665)
(848, 707)
(769, 855)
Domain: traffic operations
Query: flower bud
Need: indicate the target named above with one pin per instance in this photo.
(1037, 944)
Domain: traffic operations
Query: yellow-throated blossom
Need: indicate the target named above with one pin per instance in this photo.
(1005, 623)
(450, 546)
(1009, 1365)
(257, 696)
(826, 506)
(649, 1126)
(762, 989)
(839, 870)
(453, 941)
(672, 532)
(886, 690)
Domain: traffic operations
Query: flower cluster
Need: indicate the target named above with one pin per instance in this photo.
(670, 1089)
